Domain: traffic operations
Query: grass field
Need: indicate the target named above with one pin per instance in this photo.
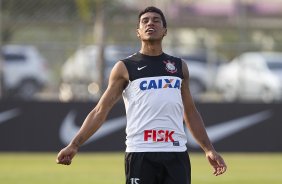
(108, 168)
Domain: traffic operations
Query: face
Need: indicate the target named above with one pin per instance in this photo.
(151, 27)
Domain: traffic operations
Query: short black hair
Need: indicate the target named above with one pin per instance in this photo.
(155, 10)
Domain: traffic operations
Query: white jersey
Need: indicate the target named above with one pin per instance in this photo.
(153, 104)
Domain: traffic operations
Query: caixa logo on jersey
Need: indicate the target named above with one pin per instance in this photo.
(160, 84)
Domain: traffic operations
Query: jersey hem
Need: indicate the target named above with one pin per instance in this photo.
(128, 150)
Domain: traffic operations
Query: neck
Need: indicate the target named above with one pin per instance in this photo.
(151, 48)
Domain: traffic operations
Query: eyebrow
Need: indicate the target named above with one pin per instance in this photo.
(155, 17)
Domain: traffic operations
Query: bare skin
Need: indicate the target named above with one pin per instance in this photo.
(150, 32)
(118, 80)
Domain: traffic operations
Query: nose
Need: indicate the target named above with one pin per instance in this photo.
(150, 22)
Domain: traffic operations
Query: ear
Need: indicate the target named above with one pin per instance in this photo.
(165, 32)
(137, 33)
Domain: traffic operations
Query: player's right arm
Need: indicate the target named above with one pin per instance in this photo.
(117, 82)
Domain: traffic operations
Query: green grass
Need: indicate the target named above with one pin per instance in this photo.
(108, 168)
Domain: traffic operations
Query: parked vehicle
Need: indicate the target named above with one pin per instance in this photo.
(25, 71)
(80, 72)
(198, 78)
(202, 72)
(251, 76)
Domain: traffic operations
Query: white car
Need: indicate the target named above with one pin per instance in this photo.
(251, 76)
(24, 71)
(80, 72)
(201, 72)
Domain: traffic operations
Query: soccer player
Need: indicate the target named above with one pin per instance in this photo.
(155, 89)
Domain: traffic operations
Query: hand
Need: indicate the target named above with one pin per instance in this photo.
(216, 162)
(66, 155)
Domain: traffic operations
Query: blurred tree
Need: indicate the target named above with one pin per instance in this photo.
(84, 9)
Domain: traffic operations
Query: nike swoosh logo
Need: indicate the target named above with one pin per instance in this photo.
(216, 132)
(68, 129)
(225, 129)
(9, 114)
(140, 68)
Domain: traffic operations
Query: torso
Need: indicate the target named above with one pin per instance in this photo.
(153, 104)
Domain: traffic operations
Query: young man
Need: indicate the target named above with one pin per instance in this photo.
(156, 93)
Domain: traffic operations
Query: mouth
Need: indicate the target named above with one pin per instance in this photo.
(150, 30)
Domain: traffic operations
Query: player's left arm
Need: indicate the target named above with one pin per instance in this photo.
(196, 126)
